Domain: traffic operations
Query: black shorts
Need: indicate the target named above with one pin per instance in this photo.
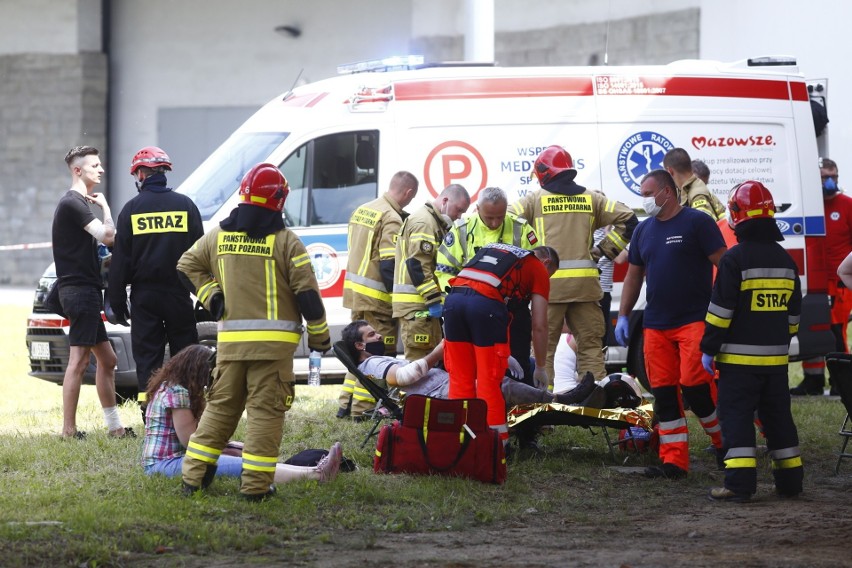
(83, 305)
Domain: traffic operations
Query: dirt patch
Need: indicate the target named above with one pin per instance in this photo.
(810, 531)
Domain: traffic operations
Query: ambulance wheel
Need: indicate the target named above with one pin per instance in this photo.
(636, 360)
(207, 333)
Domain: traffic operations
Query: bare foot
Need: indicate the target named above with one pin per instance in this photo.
(329, 466)
(122, 433)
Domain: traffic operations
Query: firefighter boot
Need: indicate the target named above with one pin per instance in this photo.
(209, 474)
(527, 436)
(724, 494)
(345, 411)
(810, 385)
(258, 497)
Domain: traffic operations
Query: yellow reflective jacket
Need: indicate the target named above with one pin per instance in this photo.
(469, 234)
(415, 286)
(697, 195)
(567, 223)
(260, 279)
(373, 230)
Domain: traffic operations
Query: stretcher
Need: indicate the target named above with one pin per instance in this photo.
(554, 414)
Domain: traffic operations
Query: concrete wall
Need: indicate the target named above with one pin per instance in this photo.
(217, 53)
(554, 32)
(50, 26)
(53, 96)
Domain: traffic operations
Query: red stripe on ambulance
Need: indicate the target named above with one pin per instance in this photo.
(504, 87)
(501, 87)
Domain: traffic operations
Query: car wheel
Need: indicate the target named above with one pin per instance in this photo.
(207, 333)
(636, 359)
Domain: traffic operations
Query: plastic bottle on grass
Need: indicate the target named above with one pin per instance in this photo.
(314, 367)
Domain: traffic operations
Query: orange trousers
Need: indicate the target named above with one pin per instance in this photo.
(673, 365)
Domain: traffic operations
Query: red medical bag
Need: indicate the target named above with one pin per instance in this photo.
(442, 437)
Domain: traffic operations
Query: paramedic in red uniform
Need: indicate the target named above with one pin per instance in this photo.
(676, 248)
(154, 229)
(476, 321)
(753, 314)
(260, 275)
(838, 243)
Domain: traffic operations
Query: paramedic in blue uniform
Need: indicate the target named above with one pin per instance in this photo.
(154, 229)
(754, 312)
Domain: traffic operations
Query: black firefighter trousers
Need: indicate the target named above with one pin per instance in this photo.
(159, 316)
(741, 393)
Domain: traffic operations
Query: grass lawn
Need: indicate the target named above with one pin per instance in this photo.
(88, 503)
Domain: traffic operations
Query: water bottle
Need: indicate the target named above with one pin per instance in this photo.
(314, 365)
(104, 260)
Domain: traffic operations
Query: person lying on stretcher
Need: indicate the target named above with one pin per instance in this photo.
(423, 377)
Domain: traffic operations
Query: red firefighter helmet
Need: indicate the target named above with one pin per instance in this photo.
(152, 157)
(750, 200)
(265, 186)
(552, 161)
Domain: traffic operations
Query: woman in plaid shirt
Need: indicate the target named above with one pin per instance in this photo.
(175, 403)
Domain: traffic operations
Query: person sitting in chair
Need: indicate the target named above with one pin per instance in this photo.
(366, 348)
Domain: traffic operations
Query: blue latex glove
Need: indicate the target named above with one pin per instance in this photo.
(621, 331)
(708, 364)
(436, 310)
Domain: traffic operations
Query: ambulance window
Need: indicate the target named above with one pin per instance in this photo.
(219, 176)
(343, 175)
(294, 169)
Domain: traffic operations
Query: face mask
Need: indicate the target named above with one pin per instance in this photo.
(650, 206)
(375, 348)
(138, 185)
(829, 187)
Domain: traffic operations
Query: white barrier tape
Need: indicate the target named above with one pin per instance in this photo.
(26, 246)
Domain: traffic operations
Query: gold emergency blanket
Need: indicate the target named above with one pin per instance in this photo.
(562, 414)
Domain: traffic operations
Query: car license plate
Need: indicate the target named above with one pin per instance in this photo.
(40, 350)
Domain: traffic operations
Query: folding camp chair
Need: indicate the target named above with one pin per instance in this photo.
(386, 405)
(840, 367)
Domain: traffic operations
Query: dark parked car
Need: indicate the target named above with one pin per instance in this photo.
(47, 343)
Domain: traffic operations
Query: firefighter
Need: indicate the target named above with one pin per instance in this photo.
(476, 321)
(154, 229)
(372, 234)
(416, 295)
(753, 314)
(491, 224)
(565, 215)
(676, 247)
(838, 243)
(693, 191)
(256, 276)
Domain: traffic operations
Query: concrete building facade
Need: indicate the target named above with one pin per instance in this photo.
(183, 75)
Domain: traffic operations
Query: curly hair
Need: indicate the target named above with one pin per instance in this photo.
(190, 369)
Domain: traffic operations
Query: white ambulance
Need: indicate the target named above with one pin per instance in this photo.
(339, 141)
